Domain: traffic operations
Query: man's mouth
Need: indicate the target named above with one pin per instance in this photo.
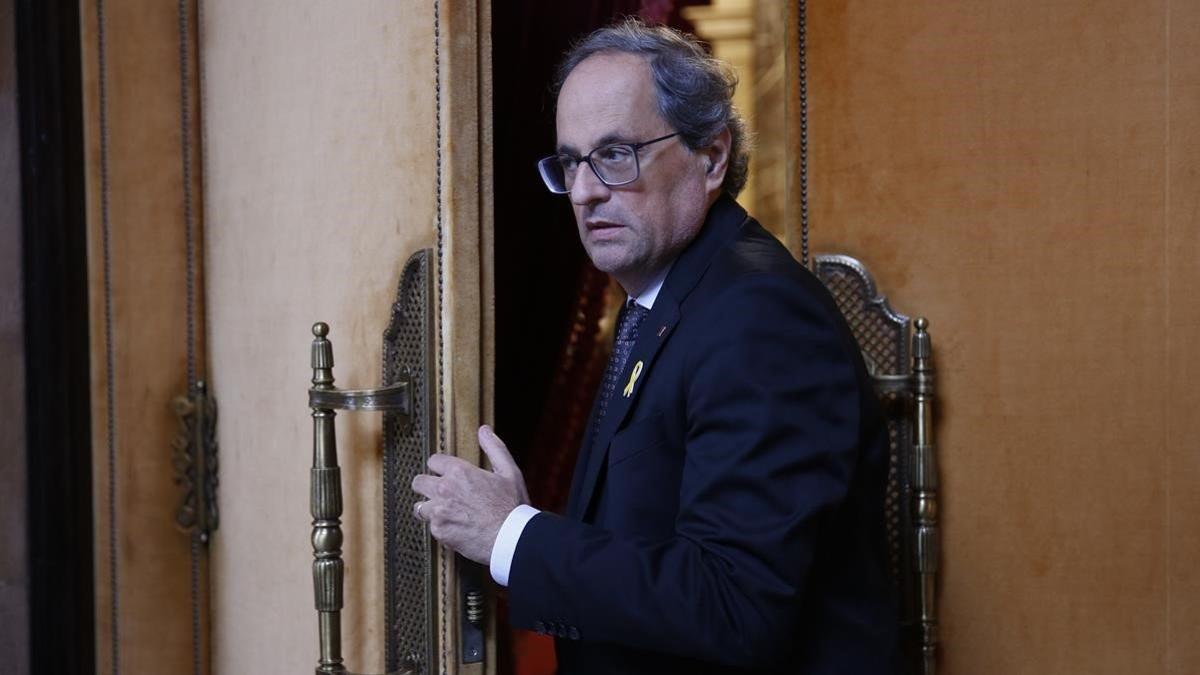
(602, 225)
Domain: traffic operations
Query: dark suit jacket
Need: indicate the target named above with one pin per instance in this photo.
(730, 513)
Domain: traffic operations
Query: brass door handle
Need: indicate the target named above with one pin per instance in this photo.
(391, 398)
(326, 497)
(408, 400)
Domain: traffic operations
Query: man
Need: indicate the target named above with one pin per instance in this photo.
(726, 512)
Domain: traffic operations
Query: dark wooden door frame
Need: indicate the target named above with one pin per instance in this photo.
(14, 563)
(59, 537)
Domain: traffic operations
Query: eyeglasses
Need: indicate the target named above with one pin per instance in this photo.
(614, 164)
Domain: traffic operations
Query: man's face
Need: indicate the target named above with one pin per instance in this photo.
(632, 231)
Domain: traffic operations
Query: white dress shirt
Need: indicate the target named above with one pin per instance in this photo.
(510, 532)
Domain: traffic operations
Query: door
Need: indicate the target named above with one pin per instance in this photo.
(341, 139)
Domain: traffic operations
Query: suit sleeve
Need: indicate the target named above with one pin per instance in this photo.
(772, 401)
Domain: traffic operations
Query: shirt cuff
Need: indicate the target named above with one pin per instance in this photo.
(506, 541)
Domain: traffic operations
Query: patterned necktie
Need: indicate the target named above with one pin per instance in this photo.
(630, 318)
(632, 315)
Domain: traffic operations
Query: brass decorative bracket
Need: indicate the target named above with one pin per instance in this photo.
(194, 457)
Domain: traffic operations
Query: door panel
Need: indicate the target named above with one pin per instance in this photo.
(329, 162)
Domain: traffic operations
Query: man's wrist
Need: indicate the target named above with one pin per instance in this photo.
(505, 546)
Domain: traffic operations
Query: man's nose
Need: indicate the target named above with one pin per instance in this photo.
(588, 188)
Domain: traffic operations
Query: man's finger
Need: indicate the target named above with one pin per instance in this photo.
(440, 464)
(497, 453)
(424, 485)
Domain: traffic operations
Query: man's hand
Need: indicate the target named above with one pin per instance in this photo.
(467, 505)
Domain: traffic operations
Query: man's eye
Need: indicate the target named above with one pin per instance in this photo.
(569, 164)
(614, 154)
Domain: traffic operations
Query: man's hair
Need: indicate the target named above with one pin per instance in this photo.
(694, 90)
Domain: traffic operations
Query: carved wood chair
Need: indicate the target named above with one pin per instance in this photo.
(898, 354)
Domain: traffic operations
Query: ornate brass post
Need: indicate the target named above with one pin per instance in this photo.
(326, 507)
(329, 569)
(925, 485)
(407, 401)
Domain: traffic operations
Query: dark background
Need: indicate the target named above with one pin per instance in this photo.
(53, 243)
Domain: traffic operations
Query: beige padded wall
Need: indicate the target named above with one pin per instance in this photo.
(1026, 175)
(148, 628)
(320, 174)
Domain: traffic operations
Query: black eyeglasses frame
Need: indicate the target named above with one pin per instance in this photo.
(587, 159)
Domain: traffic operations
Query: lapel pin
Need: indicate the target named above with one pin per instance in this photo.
(662, 329)
(633, 376)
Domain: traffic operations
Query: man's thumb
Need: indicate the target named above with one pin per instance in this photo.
(497, 453)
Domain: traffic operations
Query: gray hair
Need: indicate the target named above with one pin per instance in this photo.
(694, 90)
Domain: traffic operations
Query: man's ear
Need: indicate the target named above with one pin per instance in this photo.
(716, 157)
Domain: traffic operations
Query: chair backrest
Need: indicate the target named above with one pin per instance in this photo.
(897, 352)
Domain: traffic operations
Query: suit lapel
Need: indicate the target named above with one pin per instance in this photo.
(652, 335)
(725, 219)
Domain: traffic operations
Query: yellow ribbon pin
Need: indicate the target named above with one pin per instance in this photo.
(637, 370)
